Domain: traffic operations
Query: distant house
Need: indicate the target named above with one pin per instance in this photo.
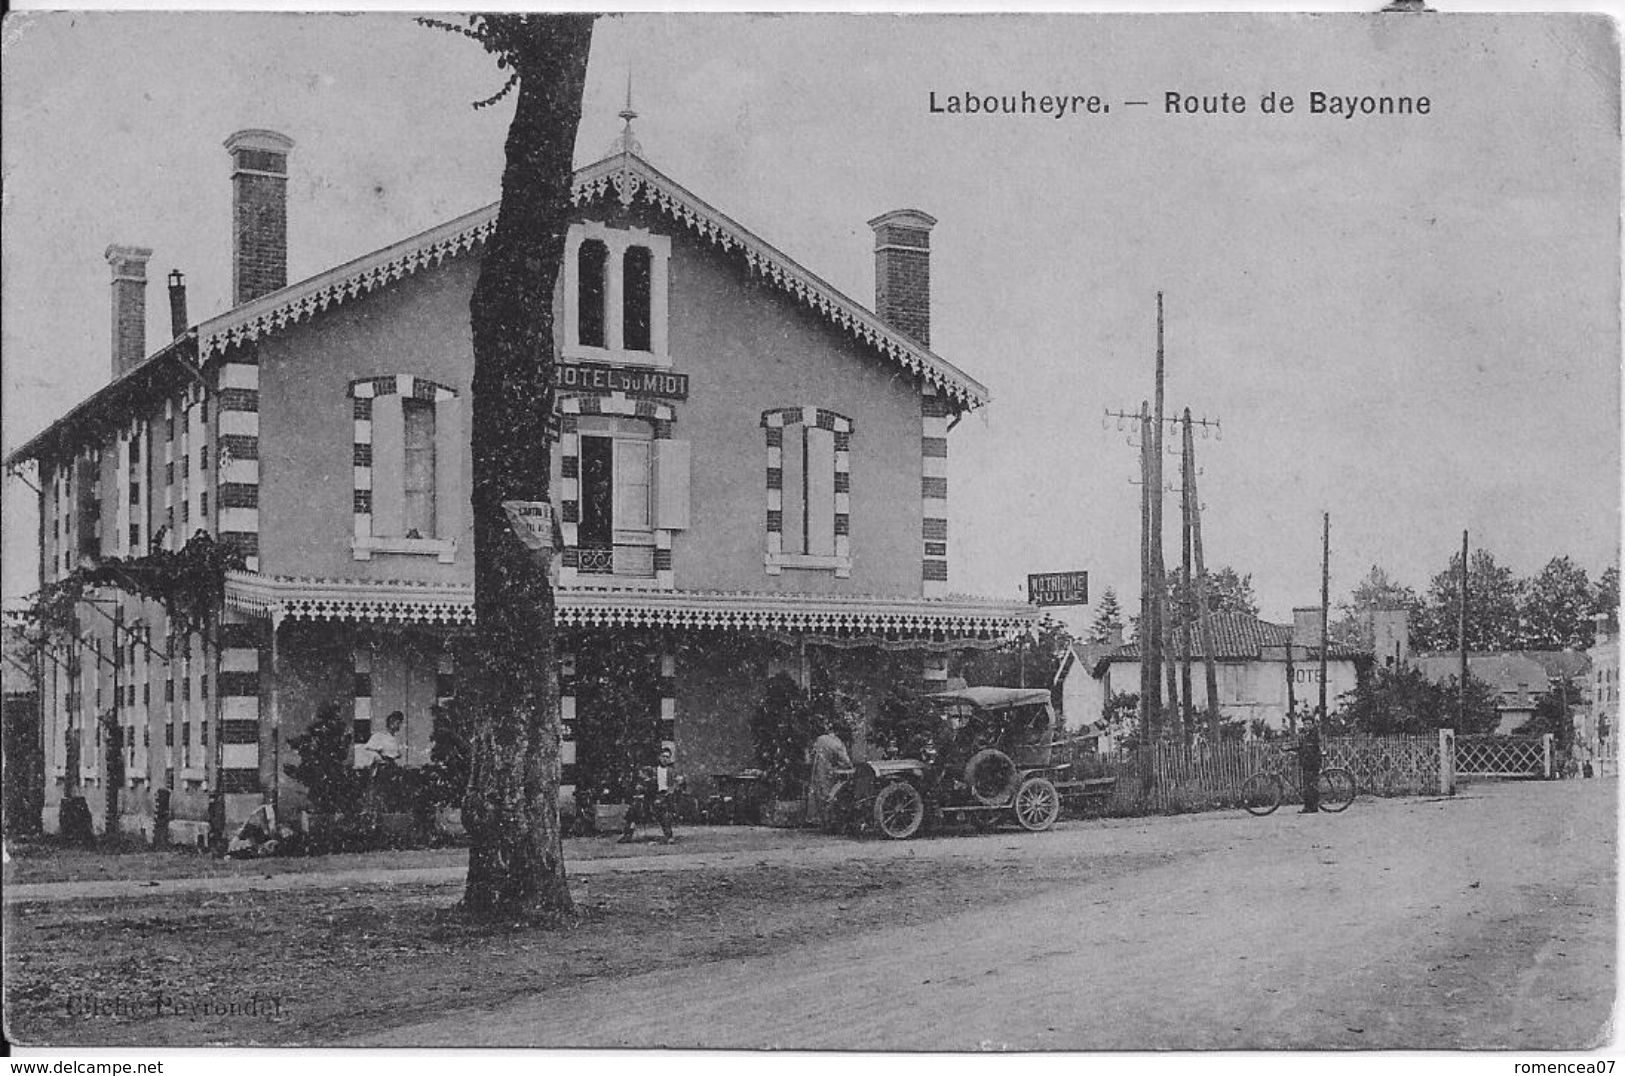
(1518, 678)
(1256, 662)
(1595, 726)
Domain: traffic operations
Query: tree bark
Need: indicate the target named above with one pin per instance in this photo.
(516, 861)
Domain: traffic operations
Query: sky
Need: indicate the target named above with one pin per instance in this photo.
(1408, 322)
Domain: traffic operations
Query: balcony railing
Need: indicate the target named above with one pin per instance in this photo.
(630, 561)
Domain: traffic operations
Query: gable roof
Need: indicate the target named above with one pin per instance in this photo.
(629, 178)
(624, 175)
(1236, 637)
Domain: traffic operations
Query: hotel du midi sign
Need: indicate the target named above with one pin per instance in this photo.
(632, 380)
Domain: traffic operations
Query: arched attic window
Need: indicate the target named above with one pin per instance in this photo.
(592, 259)
(615, 291)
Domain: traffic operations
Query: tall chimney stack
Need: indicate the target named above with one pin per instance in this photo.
(903, 271)
(1306, 626)
(259, 211)
(129, 265)
(177, 304)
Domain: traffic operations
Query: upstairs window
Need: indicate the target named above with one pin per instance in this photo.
(616, 295)
(592, 260)
(418, 492)
(809, 477)
(407, 462)
(636, 280)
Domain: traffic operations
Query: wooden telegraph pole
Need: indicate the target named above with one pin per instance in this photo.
(1325, 597)
(1461, 629)
(1157, 577)
(1203, 612)
(1186, 476)
(1150, 704)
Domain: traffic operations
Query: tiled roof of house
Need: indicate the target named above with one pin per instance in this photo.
(1236, 637)
(1505, 670)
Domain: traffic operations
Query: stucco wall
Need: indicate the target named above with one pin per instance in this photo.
(746, 347)
(1247, 690)
(416, 326)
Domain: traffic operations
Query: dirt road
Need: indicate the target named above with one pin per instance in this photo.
(1486, 921)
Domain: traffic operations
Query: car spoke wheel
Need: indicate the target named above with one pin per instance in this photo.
(1337, 789)
(1037, 803)
(899, 810)
(1261, 794)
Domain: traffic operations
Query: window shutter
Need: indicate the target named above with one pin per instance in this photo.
(671, 484)
(794, 495)
(820, 492)
(388, 466)
(450, 449)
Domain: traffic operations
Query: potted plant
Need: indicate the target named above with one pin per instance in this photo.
(782, 726)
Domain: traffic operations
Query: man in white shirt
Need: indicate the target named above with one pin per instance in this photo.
(385, 745)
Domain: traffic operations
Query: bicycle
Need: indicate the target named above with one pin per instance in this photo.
(1263, 791)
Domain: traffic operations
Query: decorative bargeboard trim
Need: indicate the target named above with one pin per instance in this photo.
(629, 178)
(452, 605)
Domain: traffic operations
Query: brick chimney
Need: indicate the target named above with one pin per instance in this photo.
(129, 265)
(1306, 626)
(259, 213)
(177, 304)
(903, 271)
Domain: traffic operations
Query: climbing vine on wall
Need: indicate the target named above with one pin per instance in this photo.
(190, 585)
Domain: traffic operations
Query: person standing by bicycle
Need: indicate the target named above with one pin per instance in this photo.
(1309, 760)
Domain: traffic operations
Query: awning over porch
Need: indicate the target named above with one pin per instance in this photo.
(406, 603)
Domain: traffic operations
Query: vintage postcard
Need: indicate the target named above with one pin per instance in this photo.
(842, 532)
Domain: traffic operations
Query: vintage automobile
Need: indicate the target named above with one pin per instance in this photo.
(989, 762)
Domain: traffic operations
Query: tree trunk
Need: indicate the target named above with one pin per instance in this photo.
(516, 861)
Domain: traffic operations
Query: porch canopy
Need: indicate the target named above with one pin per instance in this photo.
(961, 620)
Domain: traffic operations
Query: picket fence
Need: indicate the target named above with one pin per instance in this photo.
(1203, 777)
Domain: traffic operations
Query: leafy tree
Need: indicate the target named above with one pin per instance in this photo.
(516, 859)
(782, 727)
(1377, 591)
(1403, 701)
(445, 778)
(904, 727)
(1228, 591)
(326, 767)
(1121, 719)
(618, 700)
(1494, 603)
(1108, 623)
(1557, 607)
(1605, 596)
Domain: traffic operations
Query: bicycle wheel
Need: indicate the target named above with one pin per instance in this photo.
(1261, 794)
(1337, 789)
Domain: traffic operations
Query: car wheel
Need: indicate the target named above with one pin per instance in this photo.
(1038, 804)
(899, 810)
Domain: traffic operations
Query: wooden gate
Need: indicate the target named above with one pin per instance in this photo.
(1504, 756)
